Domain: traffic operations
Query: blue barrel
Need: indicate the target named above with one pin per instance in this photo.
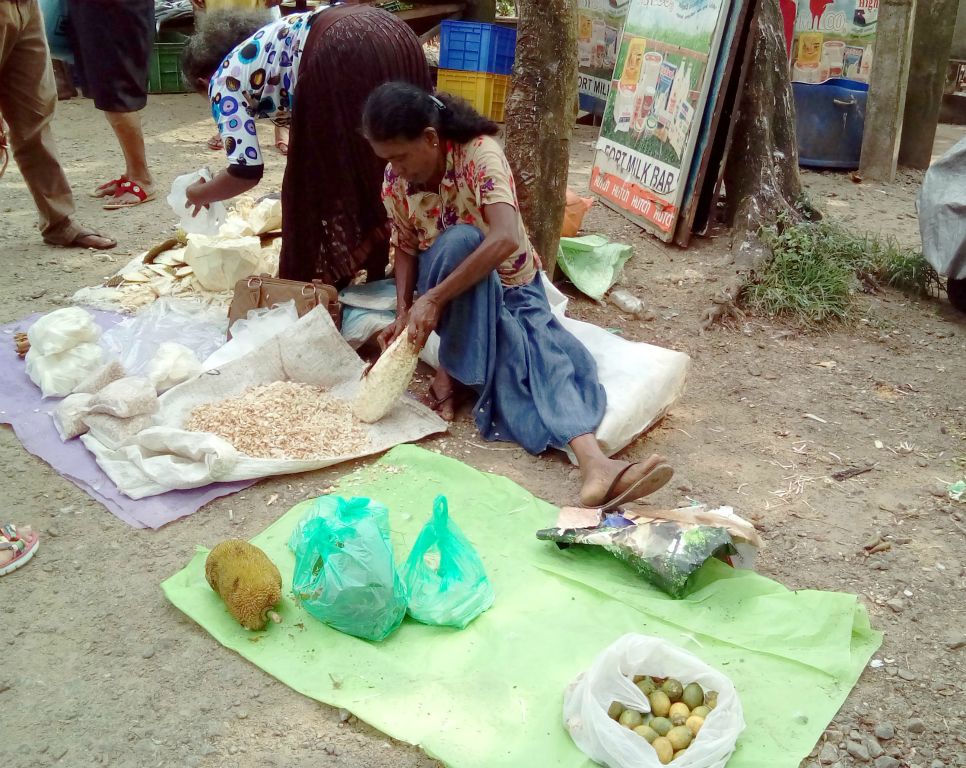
(829, 121)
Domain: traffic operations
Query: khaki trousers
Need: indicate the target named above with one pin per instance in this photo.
(28, 97)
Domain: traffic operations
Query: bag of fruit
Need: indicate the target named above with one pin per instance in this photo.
(645, 703)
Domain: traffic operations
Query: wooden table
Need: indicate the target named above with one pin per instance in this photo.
(421, 17)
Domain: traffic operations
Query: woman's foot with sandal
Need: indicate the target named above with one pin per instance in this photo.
(611, 483)
(17, 546)
(215, 143)
(445, 395)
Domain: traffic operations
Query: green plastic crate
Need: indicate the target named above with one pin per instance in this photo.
(164, 75)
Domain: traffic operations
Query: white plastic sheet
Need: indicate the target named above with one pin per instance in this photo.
(166, 457)
(248, 334)
(193, 324)
(610, 679)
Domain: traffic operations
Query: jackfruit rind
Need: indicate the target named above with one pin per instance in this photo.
(246, 580)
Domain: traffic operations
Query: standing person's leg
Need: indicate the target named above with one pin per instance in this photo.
(27, 101)
(114, 42)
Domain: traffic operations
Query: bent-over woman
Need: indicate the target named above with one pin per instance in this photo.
(465, 268)
(319, 67)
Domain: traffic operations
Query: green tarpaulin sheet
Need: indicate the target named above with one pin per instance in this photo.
(491, 695)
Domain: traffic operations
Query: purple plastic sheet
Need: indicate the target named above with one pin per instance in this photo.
(23, 408)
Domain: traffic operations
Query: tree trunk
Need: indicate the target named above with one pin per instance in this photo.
(540, 113)
(480, 10)
(761, 173)
(932, 39)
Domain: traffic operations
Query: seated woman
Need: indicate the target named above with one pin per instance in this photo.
(460, 246)
(319, 67)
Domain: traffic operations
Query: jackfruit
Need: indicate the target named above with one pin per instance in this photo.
(246, 580)
(386, 381)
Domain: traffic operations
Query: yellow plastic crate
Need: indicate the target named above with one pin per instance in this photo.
(486, 92)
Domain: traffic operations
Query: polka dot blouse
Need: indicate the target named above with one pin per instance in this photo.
(257, 80)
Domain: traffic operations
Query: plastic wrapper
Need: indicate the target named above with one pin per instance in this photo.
(345, 574)
(665, 552)
(444, 575)
(61, 330)
(574, 212)
(135, 342)
(208, 219)
(172, 364)
(57, 375)
(588, 698)
(592, 263)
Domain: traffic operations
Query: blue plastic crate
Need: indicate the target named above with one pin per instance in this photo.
(473, 46)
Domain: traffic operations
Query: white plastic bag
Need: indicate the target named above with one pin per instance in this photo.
(588, 698)
(124, 398)
(260, 326)
(135, 342)
(173, 364)
(100, 378)
(69, 415)
(208, 219)
(61, 330)
(57, 375)
(359, 325)
(220, 262)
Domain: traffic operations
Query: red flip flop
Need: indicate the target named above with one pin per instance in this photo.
(108, 188)
(129, 188)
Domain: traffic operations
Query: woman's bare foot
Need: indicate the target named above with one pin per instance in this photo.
(610, 480)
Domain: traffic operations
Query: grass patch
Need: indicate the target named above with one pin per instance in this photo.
(818, 267)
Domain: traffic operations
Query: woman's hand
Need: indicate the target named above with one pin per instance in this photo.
(197, 195)
(390, 334)
(423, 319)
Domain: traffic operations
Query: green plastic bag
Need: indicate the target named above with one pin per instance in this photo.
(345, 575)
(592, 263)
(444, 575)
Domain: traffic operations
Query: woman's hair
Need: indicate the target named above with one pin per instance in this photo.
(219, 34)
(404, 111)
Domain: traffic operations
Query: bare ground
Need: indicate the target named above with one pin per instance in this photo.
(99, 669)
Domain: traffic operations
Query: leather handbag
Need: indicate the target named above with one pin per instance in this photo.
(264, 291)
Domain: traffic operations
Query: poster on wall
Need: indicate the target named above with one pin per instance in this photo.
(834, 38)
(599, 25)
(664, 68)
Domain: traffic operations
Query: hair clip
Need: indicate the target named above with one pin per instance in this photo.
(439, 105)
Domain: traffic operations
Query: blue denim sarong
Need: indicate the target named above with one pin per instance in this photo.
(537, 384)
